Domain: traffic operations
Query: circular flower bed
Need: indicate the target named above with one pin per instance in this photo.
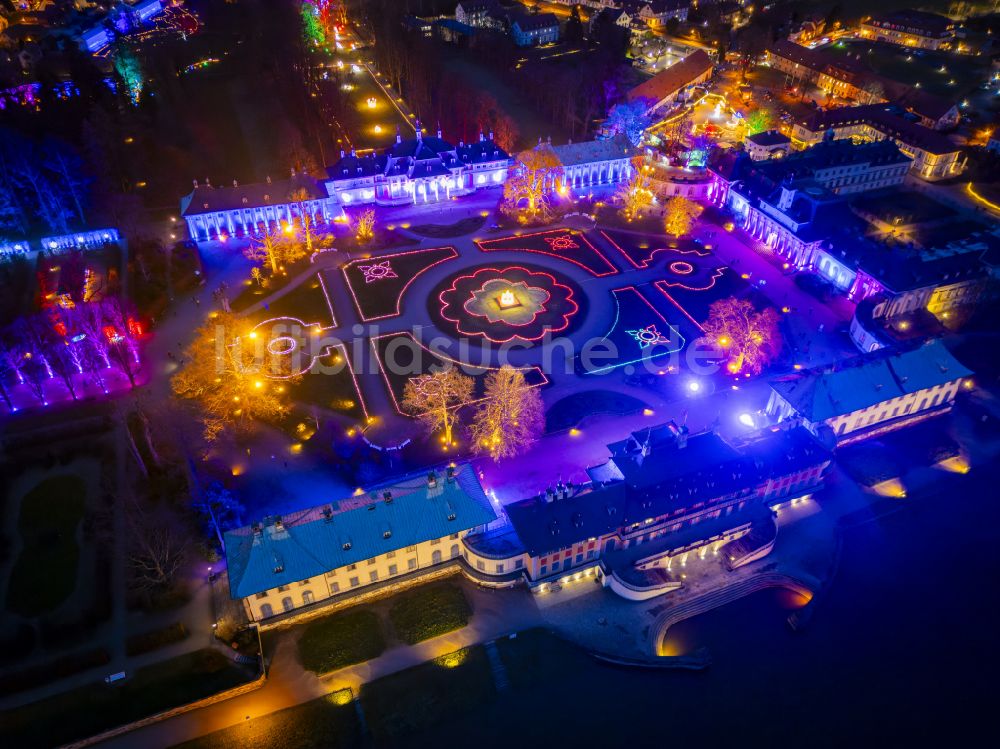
(508, 302)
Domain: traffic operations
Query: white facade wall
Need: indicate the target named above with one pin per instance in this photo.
(355, 576)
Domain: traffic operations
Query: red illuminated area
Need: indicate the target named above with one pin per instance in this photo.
(507, 302)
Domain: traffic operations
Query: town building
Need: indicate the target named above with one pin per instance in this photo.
(423, 169)
(216, 213)
(657, 13)
(909, 28)
(934, 155)
(847, 78)
(663, 493)
(664, 88)
(870, 395)
(619, 16)
(920, 285)
(395, 531)
(530, 30)
(480, 14)
(770, 144)
(123, 18)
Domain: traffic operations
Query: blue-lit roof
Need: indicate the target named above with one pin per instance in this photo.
(314, 541)
(823, 394)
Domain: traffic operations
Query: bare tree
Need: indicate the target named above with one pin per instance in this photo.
(157, 551)
(60, 160)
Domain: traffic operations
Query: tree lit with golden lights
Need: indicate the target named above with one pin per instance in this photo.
(510, 418)
(750, 339)
(232, 376)
(434, 399)
(636, 195)
(527, 194)
(680, 217)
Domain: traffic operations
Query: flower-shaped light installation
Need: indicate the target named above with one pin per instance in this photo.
(501, 304)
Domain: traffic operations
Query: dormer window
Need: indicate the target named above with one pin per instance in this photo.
(347, 546)
(387, 534)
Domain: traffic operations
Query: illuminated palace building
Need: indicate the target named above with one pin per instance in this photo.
(418, 170)
(662, 495)
(795, 204)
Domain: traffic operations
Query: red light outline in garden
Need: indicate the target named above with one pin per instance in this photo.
(442, 357)
(402, 292)
(567, 316)
(649, 259)
(481, 244)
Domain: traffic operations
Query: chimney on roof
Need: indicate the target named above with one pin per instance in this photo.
(550, 494)
(481, 137)
(342, 154)
(327, 514)
(269, 179)
(451, 474)
(208, 182)
(195, 183)
(399, 138)
(432, 479)
(353, 153)
(235, 183)
(491, 135)
(439, 130)
(387, 496)
(293, 171)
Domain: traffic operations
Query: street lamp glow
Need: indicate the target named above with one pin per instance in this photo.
(694, 386)
(746, 420)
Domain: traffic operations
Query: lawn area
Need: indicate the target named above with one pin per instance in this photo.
(89, 710)
(569, 411)
(428, 612)
(534, 656)
(340, 640)
(45, 572)
(458, 229)
(325, 723)
(420, 697)
(902, 65)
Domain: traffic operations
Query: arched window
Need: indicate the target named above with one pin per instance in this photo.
(307, 598)
(436, 556)
(454, 551)
(286, 603)
(266, 611)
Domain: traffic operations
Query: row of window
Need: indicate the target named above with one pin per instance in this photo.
(566, 563)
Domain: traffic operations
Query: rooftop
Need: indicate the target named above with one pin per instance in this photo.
(769, 138)
(916, 20)
(889, 119)
(206, 198)
(586, 152)
(280, 551)
(659, 470)
(862, 382)
(668, 82)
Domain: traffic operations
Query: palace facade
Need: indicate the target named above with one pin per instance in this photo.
(663, 493)
(869, 396)
(403, 528)
(417, 170)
